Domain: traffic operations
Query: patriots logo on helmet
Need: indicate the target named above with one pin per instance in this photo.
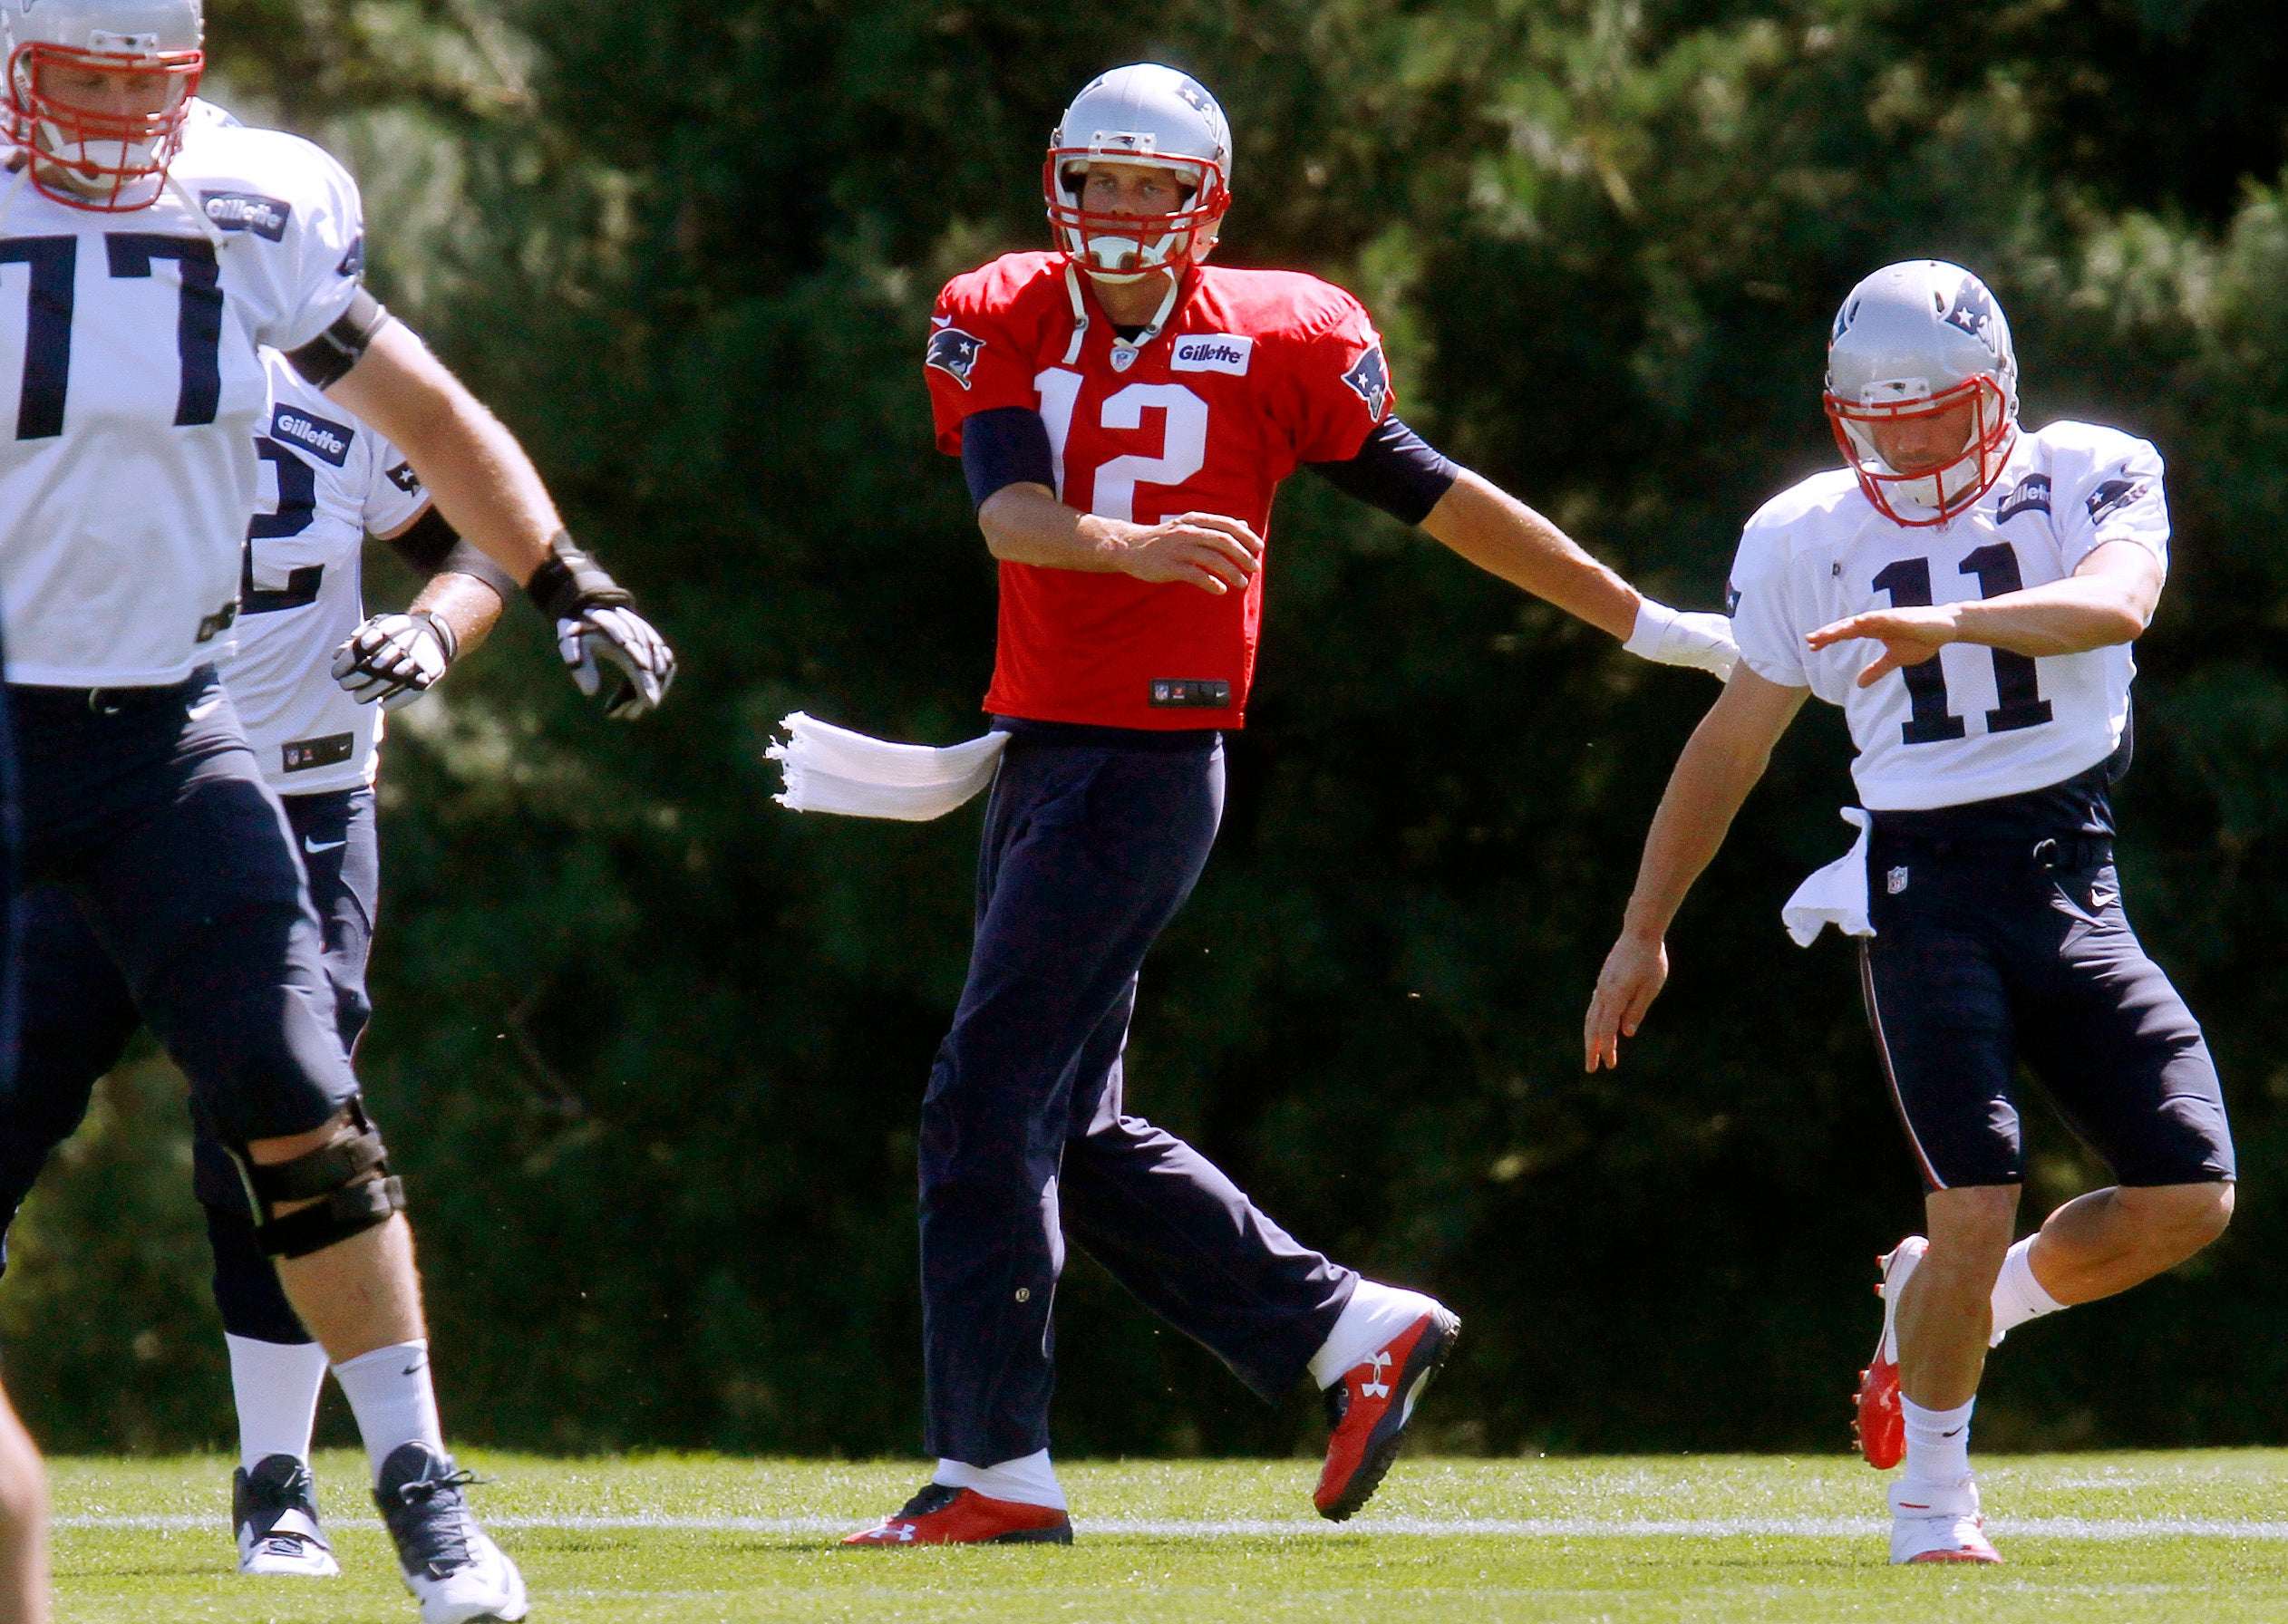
(2112, 495)
(1372, 379)
(1194, 94)
(955, 353)
(1843, 319)
(1974, 312)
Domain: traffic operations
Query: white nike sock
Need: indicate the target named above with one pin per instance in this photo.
(276, 1386)
(1937, 1442)
(2018, 1295)
(1028, 1480)
(1374, 1316)
(389, 1391)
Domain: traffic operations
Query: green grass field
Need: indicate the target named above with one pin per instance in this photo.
(1691, 1540)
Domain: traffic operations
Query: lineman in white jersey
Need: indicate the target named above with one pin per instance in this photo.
(330, 482)
(2000, 576)
(139, 277)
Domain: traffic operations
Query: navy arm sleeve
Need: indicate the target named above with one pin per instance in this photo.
(432, 545)
(1396, 471)
(1008, 445)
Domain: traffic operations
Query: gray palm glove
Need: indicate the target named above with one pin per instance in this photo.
(394, 659)
(612, 652)
(1670, 637)
(640, 666)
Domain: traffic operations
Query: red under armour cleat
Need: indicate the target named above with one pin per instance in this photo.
(1370, 1408)
(1881, 1427)
(941, 1515)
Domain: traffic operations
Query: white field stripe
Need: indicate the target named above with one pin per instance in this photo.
(1524, 1528)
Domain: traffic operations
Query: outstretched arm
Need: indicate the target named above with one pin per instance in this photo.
(1503, 537)
(1500, 535)
(1727, 754)
(2109, 599)
(487, 489)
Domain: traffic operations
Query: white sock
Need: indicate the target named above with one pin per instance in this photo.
(1937, 1442)
(388, 1392)
(277, 1385)
(2018, 1295)
(1376, 1315)
(1028, 1480)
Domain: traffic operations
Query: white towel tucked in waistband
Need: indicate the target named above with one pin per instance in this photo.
(832, 770)
(1835, 894)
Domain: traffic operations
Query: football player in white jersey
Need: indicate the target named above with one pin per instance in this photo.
(1967, 591)
(311, 679)
(140, 275)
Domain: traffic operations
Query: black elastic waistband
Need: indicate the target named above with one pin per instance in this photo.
(29, 699)
(2044, 853)
(1168, 740)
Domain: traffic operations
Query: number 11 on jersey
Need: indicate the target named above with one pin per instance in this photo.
(2017, 681)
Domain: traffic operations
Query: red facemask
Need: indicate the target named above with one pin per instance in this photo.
(1947, 489)
(104, 155)
(1126, 245)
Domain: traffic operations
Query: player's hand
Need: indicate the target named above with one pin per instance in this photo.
(640, 666)
(1633, 975)
(394, 659)
(1908, 636)
(1205, 550)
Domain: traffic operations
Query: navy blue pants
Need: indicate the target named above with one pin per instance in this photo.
(1094, 839)
(147, 807)
(79, 1015)
(1982, 958)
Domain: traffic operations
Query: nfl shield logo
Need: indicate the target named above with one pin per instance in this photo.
(1896, 882)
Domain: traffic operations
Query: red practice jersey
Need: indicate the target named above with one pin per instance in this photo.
(1256, 372)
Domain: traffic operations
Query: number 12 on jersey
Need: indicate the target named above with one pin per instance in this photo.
(2017, 681)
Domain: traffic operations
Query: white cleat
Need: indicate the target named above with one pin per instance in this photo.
(274, 1514)
(1938, 1522)
(452, 1566)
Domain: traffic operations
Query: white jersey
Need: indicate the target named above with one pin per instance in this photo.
(130, 346)
(1975, 722)
(326, 480)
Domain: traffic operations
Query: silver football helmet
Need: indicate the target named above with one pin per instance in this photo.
(1142, 115)
(99, 91)
(1916, 340)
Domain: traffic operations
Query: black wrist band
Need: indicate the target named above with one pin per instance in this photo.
(571, 582)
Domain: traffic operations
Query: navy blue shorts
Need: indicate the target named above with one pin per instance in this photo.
(148, 805)
(1982, 959)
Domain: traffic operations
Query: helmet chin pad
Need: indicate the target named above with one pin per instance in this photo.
(91, 159)
(1928, 496)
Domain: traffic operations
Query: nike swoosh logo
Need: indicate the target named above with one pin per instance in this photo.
(314, 848)
(415, 1368)
(202, 712)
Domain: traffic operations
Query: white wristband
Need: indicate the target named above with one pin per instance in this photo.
(1667, 636)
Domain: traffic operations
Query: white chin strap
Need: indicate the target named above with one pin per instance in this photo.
(1124, 350)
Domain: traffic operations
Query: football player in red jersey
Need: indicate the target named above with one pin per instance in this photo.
(1124, 414)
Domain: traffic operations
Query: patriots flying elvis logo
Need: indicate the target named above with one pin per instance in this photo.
(2113, 495)
(955, 353)
(1974, 312)
(1372, 379)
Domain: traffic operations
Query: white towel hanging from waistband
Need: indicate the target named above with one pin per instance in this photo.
(832, 770)
(1835, 894)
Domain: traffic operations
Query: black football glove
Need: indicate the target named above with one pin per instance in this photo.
(610, 649)
(394, 659)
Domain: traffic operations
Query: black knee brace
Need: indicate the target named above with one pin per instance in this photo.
(348, 1177)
